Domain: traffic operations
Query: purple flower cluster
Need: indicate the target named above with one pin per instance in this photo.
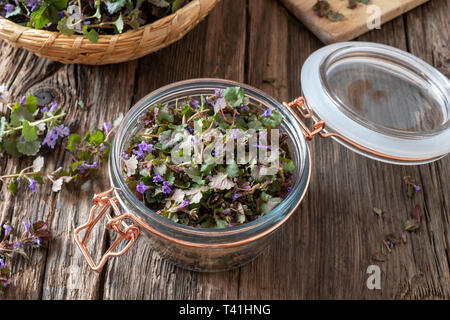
(194, 103)
(184, 204)
(167, 187)
(7, 229)
(83, 168)
(53, 135)
(32, 4)
(142, 149)
(53, 108)
(267, 112)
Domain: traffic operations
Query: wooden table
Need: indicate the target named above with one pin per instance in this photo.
(323, 251)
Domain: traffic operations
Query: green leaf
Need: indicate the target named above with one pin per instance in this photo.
(31, 103)
(73, 139)
(119, 24)
(97, 138)
(19, 114)
(288, 165)
(265, 197)
(29, 132)
(39, 17)
(64, 28)
(268, 206)
(59, 4)
(30, 148)
(115, 6)
(177, 4)
(164, 114)
(232, 170)
(92, 35)
(12, 187)
(220, 223)
(234, 95)
(10, 146)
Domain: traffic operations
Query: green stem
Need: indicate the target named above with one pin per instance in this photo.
(35, 123)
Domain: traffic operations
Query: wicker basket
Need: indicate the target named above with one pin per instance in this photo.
(109, 48)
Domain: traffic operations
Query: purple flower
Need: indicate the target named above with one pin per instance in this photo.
(10, 8)
(53, 107)
(236, 196)
(417, 188)
(2, 264)
(61, 15)
(289, 189)
(7, 283)
(32, 185)
(157, 178)
(102, 148)
(23, 100)
(194, 103)
(107, 127)
(7, 229)
(234, 134)
(32, 4)
(125, 156)
(44, 109)
(27, 226)
(91, 166)
(141, 188)
(82, 168)
(143, 146)
(62, 131)
(226, 211)
(167, 187)
(267, 112)
(185, 203)
(139, 154)
(245, 108)
(38, 241)
(190, 129)
(16, 245)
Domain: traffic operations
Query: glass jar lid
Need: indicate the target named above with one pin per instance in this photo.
(389, 104)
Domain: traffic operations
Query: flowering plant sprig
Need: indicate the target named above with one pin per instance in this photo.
(88, 17)
(13, 243)
(87, 152)
(30, 126)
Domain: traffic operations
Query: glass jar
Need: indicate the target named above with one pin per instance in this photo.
(376, 100)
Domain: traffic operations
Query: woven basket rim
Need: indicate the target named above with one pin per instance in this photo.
(107, 37)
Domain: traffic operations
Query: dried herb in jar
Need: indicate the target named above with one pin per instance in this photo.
(178, 164)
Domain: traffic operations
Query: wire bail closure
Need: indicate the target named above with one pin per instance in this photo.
(307, 112)
(104, 202)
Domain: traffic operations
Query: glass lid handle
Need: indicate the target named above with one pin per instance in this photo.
(104, 202)
(301, 112)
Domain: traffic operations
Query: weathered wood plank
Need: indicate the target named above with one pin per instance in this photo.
(215, 48)
(55, 273)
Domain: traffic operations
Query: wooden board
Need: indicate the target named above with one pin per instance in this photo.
(354, 22)
(323, 250)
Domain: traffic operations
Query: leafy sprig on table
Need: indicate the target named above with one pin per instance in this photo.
(31, 128)
(88, 17)
(322, 8)
(13, 243)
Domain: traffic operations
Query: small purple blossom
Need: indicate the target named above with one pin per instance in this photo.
(38, 241)
(289, 189)
(184, 204)
(7, 229)
(44, 109)
(141, 188)
(62, 131)
(107, 127)
(53, 107)
(7, 283)
(32, 4)
(267, 112)
(194, 103)
(190, 129)
(139, 154)
(245, 108)
(157, 178)
(167, 187)
(226, 211)
(82, 168)
(53, 135)
(125, 156)
(102, 148)
(9, 8)
(27, 226)
(2, 264)
(417, 188)
(32, 185)
(236, 196)
(17, 245)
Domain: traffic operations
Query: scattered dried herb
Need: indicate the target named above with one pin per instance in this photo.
(34, 236)
(88, 17)
(378, 212)
(412, 188)
(204, 191)
(322, 8)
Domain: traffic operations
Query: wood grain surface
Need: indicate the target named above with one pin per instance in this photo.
(322, 252)
(354, 22)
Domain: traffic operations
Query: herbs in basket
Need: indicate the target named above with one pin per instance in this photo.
(181, 162)
(88, 17)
